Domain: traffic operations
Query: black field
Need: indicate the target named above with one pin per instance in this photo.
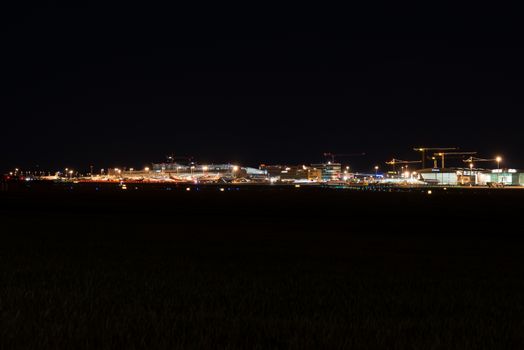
(262, 268)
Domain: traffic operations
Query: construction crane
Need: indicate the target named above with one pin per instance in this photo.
(472, 160)
(333, 155)
(444, 154)
(171, 158)
(394, 162)
(423, 150)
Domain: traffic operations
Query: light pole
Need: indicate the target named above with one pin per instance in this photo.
(498, 159)
(376, 170)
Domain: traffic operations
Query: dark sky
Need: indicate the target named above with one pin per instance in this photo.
(127, 85)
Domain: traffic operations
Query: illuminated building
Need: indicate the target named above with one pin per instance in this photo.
(330, 171)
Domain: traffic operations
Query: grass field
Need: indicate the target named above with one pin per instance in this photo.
(261, 269)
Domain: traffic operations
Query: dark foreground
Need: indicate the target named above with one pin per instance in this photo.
(296, 268)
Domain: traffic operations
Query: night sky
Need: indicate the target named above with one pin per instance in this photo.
(127, 85)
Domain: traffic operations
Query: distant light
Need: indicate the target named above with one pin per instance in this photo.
(297, 186)
(221, 189)
(146, 168)
(235, 168)
(498, 159)
(430, 192)
(205, 167)
(188, 188)
(131, 169)
(376, 167)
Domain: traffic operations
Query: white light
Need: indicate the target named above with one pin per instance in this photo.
(188, 188)
(221, 189)
(430, 192)
(235, 168)
(146, 168)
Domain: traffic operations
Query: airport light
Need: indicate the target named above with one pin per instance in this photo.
(498, 159)
(205, 168)
(235, 168)
(376, 170)
(146, 169)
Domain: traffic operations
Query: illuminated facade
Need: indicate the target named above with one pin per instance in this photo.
(329, 171)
